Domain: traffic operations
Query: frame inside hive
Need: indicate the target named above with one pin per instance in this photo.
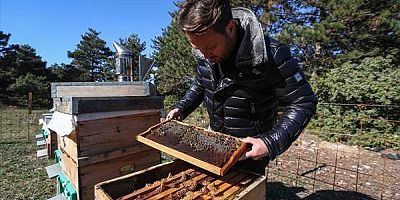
(193, 183)
(206, 149)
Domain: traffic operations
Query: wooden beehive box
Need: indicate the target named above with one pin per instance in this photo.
(212, 151)
(101, 89)
(92, 97)
(51, 144)
(103, 146)
(179, 180)
(82, 105)
(51, 140)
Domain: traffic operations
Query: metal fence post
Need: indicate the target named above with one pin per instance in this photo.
(29, 113)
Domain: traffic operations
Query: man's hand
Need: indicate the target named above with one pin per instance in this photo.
(258, 148)
(175, 114)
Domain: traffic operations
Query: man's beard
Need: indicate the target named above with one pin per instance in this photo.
(232, 43)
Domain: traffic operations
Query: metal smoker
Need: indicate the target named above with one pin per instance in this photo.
(123, 62)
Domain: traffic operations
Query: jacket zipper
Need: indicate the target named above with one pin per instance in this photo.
(212, 73)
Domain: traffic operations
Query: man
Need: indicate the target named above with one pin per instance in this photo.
(242, 76)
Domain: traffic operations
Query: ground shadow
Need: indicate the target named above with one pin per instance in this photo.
(277, 190)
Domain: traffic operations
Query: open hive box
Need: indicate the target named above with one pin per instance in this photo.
(203, 148)
(181, 180)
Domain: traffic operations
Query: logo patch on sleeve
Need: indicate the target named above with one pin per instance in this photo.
(256, 71)
(298, 76)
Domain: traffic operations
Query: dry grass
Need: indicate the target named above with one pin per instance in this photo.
(23, 175)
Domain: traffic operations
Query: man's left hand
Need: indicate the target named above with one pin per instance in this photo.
(258, 148)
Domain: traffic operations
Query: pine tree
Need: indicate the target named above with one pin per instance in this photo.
(38, 85)
(91, 56)
(17, 61)
(3, 42)
(349, 30)
(64, 73)
(260, 7)
(5, 73)
(175, 62)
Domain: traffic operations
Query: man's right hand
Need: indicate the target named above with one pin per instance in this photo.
(175, 114)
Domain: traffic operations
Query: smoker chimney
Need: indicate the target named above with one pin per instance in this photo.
(123, 60)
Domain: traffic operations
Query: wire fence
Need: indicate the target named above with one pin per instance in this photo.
(316, 169)
(18, 121)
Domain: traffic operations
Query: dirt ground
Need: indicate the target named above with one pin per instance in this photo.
(315, 169)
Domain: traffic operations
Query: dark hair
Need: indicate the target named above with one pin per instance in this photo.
(198, 16)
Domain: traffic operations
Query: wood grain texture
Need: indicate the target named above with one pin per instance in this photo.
(99, 89)
(236, 184)
(90, 175)
(103, 135)
(189, 158)
(51, 144)
(100, 149)
(202, 164)
(83, 178)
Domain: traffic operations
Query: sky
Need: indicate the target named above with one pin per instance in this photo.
(53, 27)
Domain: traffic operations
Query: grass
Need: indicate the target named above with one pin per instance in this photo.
(23, 175)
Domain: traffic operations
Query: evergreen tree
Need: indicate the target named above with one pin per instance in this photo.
(38, 85)
(353, 47)
(3, 42)
(373, 80)
(349, 30)
(17, 61)
(91, 56)
(175, 63)
(5, 73)
(64, 73)
(260, 7)
(27, 61)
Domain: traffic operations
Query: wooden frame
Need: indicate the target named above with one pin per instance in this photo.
(190, 159)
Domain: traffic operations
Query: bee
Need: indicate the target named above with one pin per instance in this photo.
(162, 186)
(191, 185)
(212, 190)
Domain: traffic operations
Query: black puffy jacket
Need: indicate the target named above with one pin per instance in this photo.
(243, 101)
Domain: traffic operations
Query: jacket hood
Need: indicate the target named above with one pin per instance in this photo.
(252, 50)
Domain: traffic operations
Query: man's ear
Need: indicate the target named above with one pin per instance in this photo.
(231, 28)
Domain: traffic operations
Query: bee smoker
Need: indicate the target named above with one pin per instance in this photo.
(123, 61)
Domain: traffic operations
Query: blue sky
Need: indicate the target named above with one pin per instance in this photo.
(53, 27)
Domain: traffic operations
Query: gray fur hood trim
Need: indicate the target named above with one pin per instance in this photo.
(252, 50)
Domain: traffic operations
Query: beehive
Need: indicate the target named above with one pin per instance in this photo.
(97, 124)
(180, 180)
(103, 148)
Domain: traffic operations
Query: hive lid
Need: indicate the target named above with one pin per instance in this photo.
(212, 151)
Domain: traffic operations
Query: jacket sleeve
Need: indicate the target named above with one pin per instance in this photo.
(193, 97)
(298, 99)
